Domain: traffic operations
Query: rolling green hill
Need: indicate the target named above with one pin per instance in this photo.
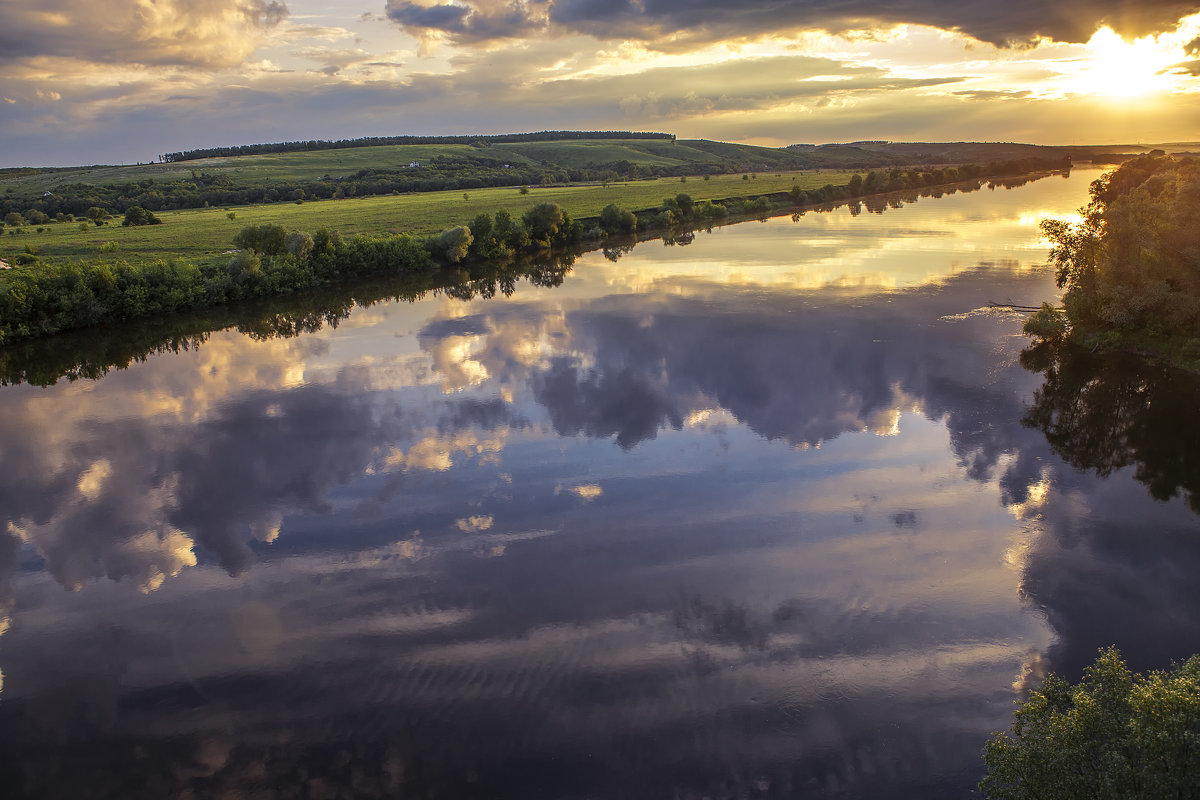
(313, 165)
(366, 169)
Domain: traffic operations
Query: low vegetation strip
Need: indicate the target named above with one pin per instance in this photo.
(42, 297)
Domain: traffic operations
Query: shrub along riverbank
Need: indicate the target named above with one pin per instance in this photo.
(40, 299)
(1131, 268)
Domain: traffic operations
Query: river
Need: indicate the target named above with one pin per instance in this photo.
(777, 510)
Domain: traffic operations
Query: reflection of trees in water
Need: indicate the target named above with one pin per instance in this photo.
(1104, 413)
(613, 252)
(1114, 567)
(685, 234)
(93, 353)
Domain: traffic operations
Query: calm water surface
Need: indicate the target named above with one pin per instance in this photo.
(770, 514)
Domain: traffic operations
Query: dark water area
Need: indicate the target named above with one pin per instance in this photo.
(779, 510)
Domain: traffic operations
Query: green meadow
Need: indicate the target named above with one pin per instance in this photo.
(201, 232)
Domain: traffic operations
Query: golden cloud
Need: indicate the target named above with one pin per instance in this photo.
(196, 33)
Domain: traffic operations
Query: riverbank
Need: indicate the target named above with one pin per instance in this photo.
(1177, 351)
(48, 294)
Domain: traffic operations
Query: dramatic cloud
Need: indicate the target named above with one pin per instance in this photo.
(194, 33)
(124, 79)
(715, 20)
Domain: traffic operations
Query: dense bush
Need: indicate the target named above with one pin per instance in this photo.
(136, 215)
(299, 244)
(269, 240)
(1047, 323)
(1114, 735)
(1133, 264)
(614, 219)
(453, 244)
(545, 222)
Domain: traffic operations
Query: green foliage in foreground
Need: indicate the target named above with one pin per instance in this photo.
(1131, 268)
(1114, 736)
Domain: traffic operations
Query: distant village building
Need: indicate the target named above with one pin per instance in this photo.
(4, 264)
(414, 164)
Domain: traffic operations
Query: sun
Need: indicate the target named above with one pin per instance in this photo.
(1114, 68)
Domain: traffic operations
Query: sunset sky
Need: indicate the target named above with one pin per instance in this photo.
(117, 81)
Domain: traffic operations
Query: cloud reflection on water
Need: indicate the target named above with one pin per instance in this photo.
(627, 590)
(766, 541)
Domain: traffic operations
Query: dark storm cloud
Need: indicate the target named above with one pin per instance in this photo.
(462, 23)
(576, 11)
(447, 18)
(716, 20)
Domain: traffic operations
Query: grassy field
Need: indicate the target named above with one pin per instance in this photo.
(312, 165)
(201, 232)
